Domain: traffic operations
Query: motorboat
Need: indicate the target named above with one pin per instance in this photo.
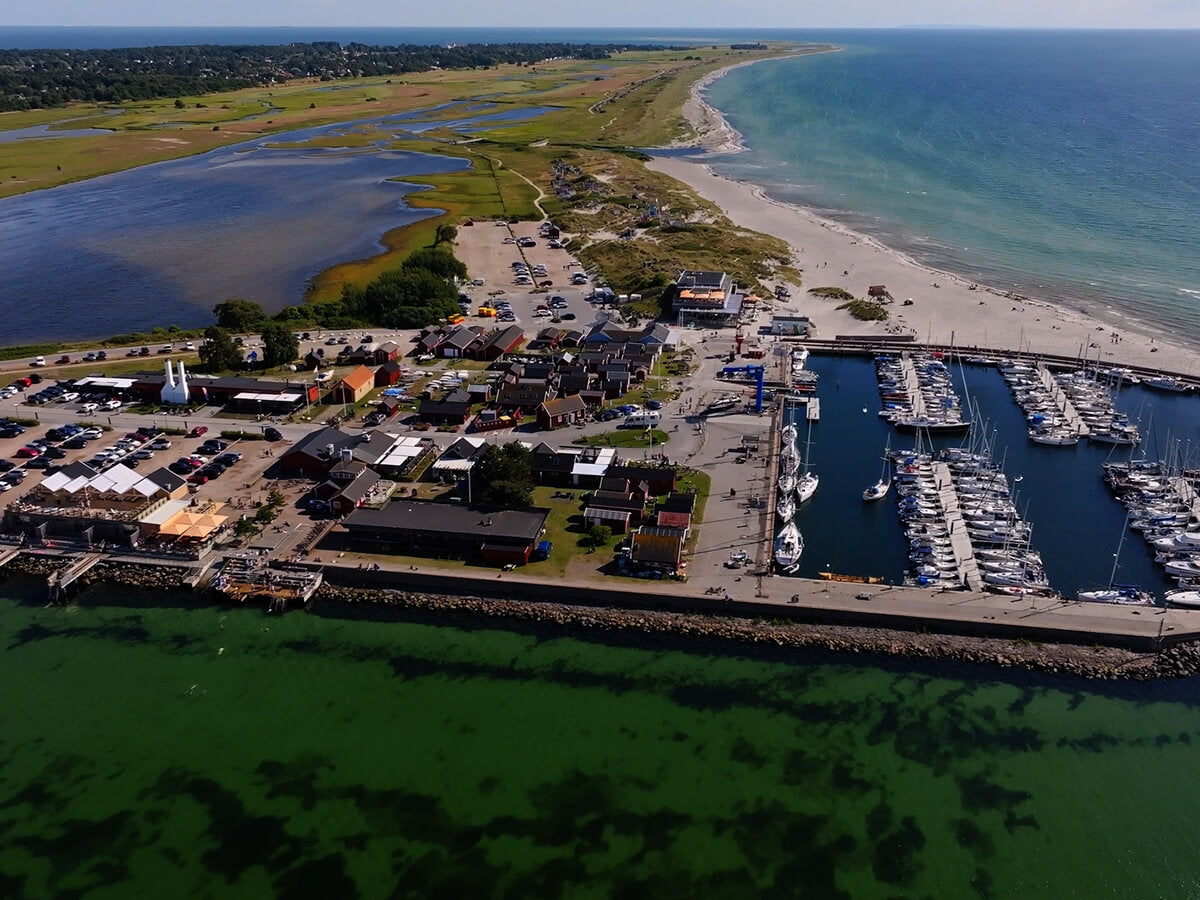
(1188, 567)
(1185, 599)
(789, 544)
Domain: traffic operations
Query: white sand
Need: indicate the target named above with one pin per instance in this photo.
(830, 254)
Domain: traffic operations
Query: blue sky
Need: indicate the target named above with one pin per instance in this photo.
(612, 13)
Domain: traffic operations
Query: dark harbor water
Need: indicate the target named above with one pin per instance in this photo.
(200, 752)
(162, 244)
(1076, 520)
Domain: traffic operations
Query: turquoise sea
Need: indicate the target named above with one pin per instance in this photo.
(152, 748)
(1058, 164)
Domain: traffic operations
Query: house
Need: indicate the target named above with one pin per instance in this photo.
(525, 393)
(615, 519)
(631, 503)
(561, 411)
(316, 453)
(658, 479)
(453, 409)
(676, 511)
(457, 342)
(570, 466)
(705, 298)
(479, 393)
(460, 457)
(388, 374)
(656, 547)
(474, 533)
(498, 343)
(354, 386)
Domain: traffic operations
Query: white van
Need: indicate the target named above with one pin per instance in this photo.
(642, 420)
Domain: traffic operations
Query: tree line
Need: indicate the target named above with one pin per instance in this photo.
(422, 291)
(33, 79)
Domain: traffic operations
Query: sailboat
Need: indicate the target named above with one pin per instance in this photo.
(879, 489)
(785, 508)
(789, 544)
(1129, 594)
(806, 484)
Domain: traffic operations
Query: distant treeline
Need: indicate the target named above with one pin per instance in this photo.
(32, 79)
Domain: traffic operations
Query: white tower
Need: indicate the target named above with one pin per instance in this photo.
(175, 391)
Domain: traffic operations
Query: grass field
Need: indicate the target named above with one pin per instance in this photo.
(626, 437)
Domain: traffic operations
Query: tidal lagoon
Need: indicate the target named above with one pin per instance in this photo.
(162, 244)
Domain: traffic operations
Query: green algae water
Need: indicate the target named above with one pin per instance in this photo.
(156, 749)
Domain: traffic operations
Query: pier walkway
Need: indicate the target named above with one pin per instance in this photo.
(912, 385)
(960, 542)
(1062, 401)
(57, 582)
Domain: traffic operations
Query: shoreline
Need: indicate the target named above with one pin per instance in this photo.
(659, 629)
(947, 308)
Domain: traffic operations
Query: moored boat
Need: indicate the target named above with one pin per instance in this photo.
(789, 545)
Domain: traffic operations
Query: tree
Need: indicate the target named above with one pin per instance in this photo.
(441, 263)
(408, 298)
(218, 351)
(280, 346)
(445, 234)
(246, 527)
(240, 316)
(504, 476)
(599, 535)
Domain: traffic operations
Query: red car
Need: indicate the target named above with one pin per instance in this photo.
(198, 478)
(29, 453)
(198, 430)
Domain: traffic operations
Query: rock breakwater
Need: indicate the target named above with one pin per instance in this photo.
(756, 636)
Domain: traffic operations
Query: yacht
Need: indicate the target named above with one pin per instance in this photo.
(789, 544)
(1187, 599)
(1127, 594)
(785, 508)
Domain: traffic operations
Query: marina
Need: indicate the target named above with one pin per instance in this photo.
(1055, 492)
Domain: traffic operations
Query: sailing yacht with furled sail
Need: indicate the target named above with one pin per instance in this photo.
(789, 544)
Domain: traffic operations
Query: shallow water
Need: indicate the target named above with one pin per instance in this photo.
(1057, 163)
(211, 752)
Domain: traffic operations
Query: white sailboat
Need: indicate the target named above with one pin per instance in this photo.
(785, 508)
(879, 489)
(806, 484)
(1185, 599)
(789, 544)
(1128, 594)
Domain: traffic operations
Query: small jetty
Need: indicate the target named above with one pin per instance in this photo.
(58, 582)
(245, 578)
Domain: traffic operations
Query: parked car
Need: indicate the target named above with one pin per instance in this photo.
(28, 452)
(160, 444)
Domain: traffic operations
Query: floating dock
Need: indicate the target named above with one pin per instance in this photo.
(1062, 401)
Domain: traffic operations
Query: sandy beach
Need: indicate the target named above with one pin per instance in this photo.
(944, 308)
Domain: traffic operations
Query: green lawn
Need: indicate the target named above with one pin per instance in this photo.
(625, 437)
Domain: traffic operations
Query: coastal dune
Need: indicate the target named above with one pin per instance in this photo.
(945, 308)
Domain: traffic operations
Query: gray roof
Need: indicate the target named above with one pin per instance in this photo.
(450, 519)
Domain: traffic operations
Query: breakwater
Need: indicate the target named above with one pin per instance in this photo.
(773, 639)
